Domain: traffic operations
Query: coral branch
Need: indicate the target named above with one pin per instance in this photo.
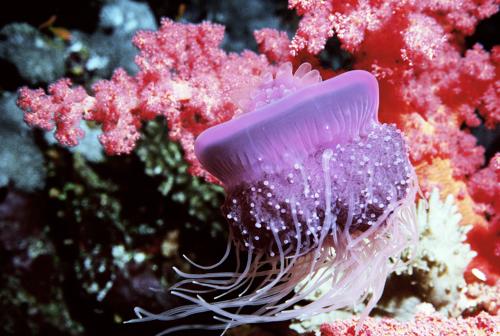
(184, 76)
(63, 108)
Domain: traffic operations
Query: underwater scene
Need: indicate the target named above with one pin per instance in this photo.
(250, 168)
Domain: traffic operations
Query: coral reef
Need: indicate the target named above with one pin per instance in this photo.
(442, 255)
(125, 235)
(410, 64)
(109, 47)
(242, 19)
(36, 58)
(108, 228)
(479, 297)
(484, 239)
(41, 58)
(31, 307)
(422, 325)
(175, 81)
(21, 162)
(410, 47)
(164, 160)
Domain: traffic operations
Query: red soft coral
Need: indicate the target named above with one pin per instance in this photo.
(485, 239)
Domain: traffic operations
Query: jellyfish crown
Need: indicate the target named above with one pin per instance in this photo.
(288, 130)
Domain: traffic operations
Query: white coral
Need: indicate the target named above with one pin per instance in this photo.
(442, 253)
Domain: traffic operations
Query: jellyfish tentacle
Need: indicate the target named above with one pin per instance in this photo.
(220, 262)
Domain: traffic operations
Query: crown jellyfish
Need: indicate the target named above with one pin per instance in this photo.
(318, 193)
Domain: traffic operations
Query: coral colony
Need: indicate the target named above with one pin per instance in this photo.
(317, 189)
(318, 180)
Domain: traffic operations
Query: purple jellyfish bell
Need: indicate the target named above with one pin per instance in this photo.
(319, 193)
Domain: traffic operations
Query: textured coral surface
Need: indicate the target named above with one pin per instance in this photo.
(422, 325)
(150, 96)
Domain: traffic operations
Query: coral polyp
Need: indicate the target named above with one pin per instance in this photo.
(318, 192)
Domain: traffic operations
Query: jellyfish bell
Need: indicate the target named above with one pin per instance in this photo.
(318, 192)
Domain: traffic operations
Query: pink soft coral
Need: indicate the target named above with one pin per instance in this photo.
(63, 108)
(421, 325)
(184, 76)
(274, 44)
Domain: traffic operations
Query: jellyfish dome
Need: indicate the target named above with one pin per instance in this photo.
(318, 193)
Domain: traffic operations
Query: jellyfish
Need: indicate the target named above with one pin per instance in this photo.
(318, 193)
